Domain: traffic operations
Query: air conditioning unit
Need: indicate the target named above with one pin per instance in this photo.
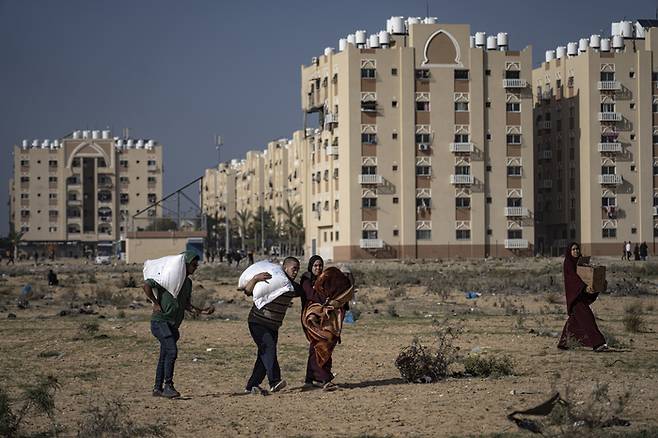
(423, 147)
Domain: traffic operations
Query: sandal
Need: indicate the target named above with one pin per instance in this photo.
(602, 348)
(329, 386)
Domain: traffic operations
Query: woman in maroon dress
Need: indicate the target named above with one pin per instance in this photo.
(581, 325)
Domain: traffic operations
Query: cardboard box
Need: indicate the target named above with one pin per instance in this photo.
(593, 276)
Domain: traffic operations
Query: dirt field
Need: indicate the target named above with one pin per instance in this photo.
(111, 355)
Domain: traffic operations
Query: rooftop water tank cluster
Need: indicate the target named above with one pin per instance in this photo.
(40, 144)
(131, 143)
(618, 33)
(481, 40)
(381, 39)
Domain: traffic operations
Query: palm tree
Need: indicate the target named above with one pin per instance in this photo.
(289, 212)
(244, 217)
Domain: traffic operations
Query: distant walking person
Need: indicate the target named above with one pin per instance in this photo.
(624, 255)
(10, 257)
(644, 251)
(52, 278)
(628, 250)
(636, 252)
(581, 326)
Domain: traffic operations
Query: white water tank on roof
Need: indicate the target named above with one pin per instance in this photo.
(119, 142)
(76, 135)
(480, 39)
(605, 45)
(56, 143)
(640, 32)
(397, 26)
(617, 42)
(595, 41)
(626, 29)
(342, 43)
(35, 143)
(25, 144)
(45, 144)
(328, 51)
(572, 49)
(140, 143)
(389, 25)
(360, 37)
(412, 20)
(95, 134)
(86, 133)
(615, 29)
(129, 142)
(351, 39)
(471, 41)
(374, 41)
(583, 43)
(430, 20)
(561, 52)
(105, 134)
(492, 43)
(384, 38)
(550, 55)
(503, 40)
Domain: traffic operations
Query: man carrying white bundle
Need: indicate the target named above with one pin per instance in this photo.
(168, 286)
(264, 323)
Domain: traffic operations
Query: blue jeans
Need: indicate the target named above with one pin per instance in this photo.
(266, 362)
(168, 335)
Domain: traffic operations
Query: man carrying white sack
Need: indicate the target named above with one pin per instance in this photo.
(264, 323)
(169, 278)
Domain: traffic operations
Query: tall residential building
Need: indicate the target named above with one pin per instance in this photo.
(423, 146)
(596, 141)
(77, 194)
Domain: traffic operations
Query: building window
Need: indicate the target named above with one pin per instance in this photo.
(611, 170)
(101, 162)
(609, 233)
(463, 234)
(394, 103)
(369, 234)
(461, 74)
(76, 162)
(397, 200)
(396, 232)
(368, 170)
(513, 138)
(394, 72)
(394, 168)
(422, 106)
(25, 179)
(462, 170)
(515, 202)
(368, 73)
(123, 164)
(151, 180)
(369, 202)
(423, 74)
(607, 107)
(513, 107)
(487, 105)
(368, 138)
(513, 170)
(512, 74)
(52, 163)
(423, 234)
(423, 170)
(52, 179)
(423, 202)
(150, 163)
(607, 76)
(515, 234)
(461, 138)
(151, 197)
(462, 202)
(461, 107)
(422, 138)
(52, 229)
(123, 198)
(654, 107)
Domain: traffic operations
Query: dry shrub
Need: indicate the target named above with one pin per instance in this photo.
(482, 366)
(633, 319)
(397, 292)
(418, 363)
(111, 419)
(38, 398)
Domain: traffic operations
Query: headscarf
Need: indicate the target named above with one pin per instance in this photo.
(309, 272)
(573, 284)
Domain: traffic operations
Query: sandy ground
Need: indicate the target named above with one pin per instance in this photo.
(216, 355)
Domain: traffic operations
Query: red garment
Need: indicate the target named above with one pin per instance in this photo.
(581, 324)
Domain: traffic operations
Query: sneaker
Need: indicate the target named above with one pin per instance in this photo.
(157, 392)
(255, 390)
(329, 386)
(278, 386)
(169, 391)
(602, 348)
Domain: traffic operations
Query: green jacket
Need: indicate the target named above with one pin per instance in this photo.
(173, 309)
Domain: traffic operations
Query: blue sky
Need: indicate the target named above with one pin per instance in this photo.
(182, 71)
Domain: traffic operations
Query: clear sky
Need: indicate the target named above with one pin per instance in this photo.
(181, 71)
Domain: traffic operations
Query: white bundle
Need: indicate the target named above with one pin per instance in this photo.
(169, 272)
(263, 292)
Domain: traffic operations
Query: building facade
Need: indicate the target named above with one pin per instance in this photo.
(423, 146)
(596, 141)
(76, 195)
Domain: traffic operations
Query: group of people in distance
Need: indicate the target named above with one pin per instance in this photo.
(640, 251)
(324, 295)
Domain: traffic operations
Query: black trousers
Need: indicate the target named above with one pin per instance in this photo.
(266, 361)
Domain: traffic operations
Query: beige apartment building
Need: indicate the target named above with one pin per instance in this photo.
(77, 194)
(596, 141)
(424, 146)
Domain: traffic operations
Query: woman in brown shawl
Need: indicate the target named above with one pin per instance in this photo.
(581, 325)
(322, 319)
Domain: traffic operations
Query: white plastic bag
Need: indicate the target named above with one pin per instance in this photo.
(169, 272)
(263, 292)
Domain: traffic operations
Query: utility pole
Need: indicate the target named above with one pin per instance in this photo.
(218, 144)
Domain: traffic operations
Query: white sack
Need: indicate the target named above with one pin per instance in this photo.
(276, 286)
(169, 272)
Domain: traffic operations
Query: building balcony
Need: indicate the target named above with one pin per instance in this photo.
(516, 212)
(516, 243)
(105, 185)
(332, 150)
(371, 243)
(546, 124)
(25, 168)
(546, 184)
(609, 147)
(546, 155)
(610, 179)
(52, 202)
(52, 185)
(461, 147)
(74, 202)
(515, 83)
(609, 85)
(609, 117)
(152, 168)
(371, 179)
(330, 119)
(655, 210)
(105, 219)
(25, 203)
(461, 179)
